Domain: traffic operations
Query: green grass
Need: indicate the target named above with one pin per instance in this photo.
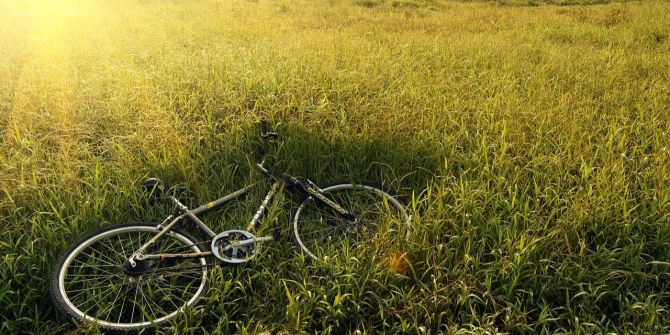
(533, 143)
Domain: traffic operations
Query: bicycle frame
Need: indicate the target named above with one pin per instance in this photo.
(164, 227)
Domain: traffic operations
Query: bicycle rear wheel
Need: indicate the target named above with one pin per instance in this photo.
(89, 282)
(322, 233)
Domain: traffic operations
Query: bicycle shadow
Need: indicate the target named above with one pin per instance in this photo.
(223, 161)
(400, 163)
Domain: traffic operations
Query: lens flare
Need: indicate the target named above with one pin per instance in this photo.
(396, 263)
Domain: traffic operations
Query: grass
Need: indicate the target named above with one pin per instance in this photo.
(532, 142)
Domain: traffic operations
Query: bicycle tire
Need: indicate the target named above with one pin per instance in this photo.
(63, 298)
(318, 221)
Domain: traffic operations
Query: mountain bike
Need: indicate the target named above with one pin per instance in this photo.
(132, 276)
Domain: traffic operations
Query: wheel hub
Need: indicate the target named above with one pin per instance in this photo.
(140, 268)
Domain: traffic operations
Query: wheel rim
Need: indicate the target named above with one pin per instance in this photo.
(105, 281)
(328, 229)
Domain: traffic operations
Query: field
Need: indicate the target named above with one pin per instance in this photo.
(529, 138)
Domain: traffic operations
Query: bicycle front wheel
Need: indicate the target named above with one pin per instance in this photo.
(322, 233)
(90, 284)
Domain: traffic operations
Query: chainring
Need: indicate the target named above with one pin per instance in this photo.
(225, 246)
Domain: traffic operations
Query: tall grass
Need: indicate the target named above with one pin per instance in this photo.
(532, 145)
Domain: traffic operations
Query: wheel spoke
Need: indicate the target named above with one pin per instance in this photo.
(96, 289)
(91, 288)
(170, 294)
(320, 230)
(121, 246)
(97, 265)
(149, 301)
(101, 295)
(114, 253)
(104, 261)
(132, 315)
(123, 304)
(111, 275)
(113, 304)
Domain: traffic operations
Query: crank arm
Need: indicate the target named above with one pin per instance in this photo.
(163, 257)
(249, 241)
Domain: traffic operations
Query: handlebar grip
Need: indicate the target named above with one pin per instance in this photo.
(264, 127)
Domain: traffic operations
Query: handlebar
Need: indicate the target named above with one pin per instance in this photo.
(267, 136)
